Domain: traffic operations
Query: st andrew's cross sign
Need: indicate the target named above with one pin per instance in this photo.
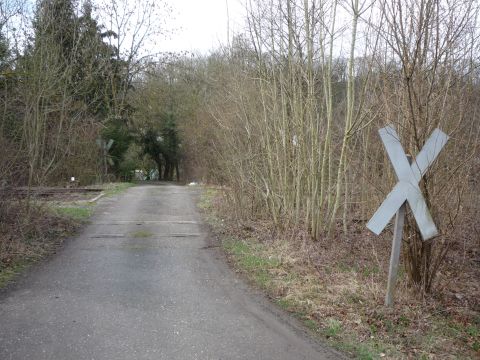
(409, 176)
(406, 190)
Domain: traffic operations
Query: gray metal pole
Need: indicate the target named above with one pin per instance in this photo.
(396, 249)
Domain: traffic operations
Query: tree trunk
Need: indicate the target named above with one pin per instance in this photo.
(176, 171)
(159, 167)
(166, 174)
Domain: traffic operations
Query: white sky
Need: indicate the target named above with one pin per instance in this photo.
(197, 26)
(194, 25)
(201, 25)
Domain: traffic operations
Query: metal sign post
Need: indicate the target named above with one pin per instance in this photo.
(396, 249)
(406, 190)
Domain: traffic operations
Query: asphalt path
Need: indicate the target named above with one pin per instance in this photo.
(145, 281)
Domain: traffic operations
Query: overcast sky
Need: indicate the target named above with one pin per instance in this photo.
(200, 25)
(195, 25)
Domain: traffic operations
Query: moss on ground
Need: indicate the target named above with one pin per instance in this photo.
(142, 234)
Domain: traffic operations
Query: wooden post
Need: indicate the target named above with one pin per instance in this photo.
(396, 249)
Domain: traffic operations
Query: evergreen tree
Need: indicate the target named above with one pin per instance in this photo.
(93, 64)
(56, 23)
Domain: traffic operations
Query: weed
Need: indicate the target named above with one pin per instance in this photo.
(403, 321)
(7, 274)
(286, 304)
(236, 247)
(141, 234)
(365, 352)
(354, 298)
(248, 257)
(116, 188)
(476, 346)
(139, 247)
(333, 329)
(262, 278)
(78, 213)
(473, 331)
(206, 198)
(311, 324)
(389, 326)
(370, 270)
(346, 268)
(476, 320)
(256, 262)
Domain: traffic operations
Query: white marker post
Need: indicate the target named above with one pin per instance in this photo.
(406, 190)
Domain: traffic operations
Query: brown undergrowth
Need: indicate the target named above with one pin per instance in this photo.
(28, 232)
(337, 288)
(31, 230)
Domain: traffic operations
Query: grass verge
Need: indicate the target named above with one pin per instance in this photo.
(81, 211)
(8, 273)
(337, 291)
(77, 213)
(111, 189)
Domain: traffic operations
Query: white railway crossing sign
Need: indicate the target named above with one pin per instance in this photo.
(406, 190)
(409, 176)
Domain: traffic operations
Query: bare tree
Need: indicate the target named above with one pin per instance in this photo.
(433, 45)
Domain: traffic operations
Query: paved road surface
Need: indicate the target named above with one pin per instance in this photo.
(140, 282)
